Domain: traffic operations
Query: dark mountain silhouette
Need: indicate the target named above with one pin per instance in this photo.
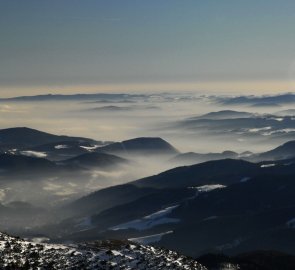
(18, 163)
(26, 137)
(219, 172)
(225, 114)
(253, 210)
(226, 171)
(150, 201)
(265, 104)
(285, 151)
(193, 158)
(106, 198)
(249, 100)
(14, 166)
(95, 160)
(290, 112)
(116, 101)
(112, 108)
(242, 217)
(144, 145)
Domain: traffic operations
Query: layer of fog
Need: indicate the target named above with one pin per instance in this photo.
(82, 119)
(156, 116)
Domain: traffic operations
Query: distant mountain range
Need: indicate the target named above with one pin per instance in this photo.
(75, 97)
(274, 100)
(240, 127)
(225, 114)
(266, 100)
(113, 108)
(250, 123)
(282, 152)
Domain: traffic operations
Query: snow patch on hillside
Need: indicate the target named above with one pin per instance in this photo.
(34, 154)
(90, 148)
(268, 165)
(149, 221)
(61, 146)
(144, 240)
(208, 188)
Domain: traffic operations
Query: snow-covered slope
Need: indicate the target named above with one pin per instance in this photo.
(149, 221)
(16, 253)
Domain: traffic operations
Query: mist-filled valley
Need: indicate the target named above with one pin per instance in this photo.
(170, 170)
(147, 135)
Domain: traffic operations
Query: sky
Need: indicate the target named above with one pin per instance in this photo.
(112, 45)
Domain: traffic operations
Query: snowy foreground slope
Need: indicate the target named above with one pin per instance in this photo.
(16, 253)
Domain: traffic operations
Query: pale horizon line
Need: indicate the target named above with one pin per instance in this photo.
(203, 87)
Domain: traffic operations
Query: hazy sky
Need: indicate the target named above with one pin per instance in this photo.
(55, 44)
